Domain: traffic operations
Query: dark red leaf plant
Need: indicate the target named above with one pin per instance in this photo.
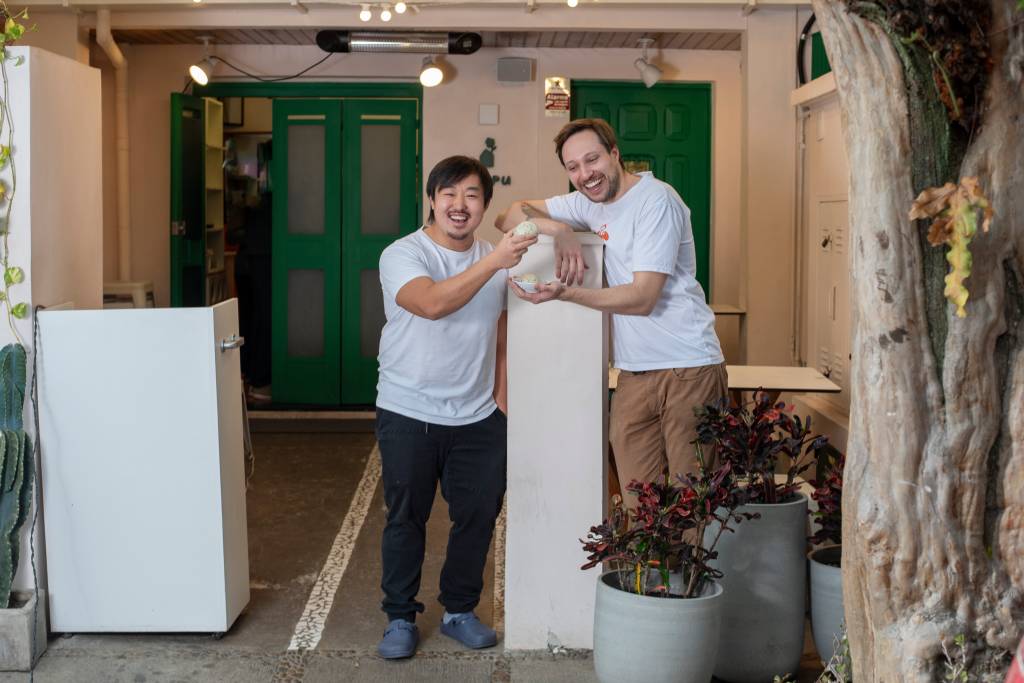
(754, 437)
(667, 530)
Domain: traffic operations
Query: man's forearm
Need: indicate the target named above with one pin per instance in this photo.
(624, 299)
(439, 299)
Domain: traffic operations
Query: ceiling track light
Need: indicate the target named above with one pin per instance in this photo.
(430, 73)
(572, 3)
(202, 70)
(400, 7)
(297, 4)
(364, 13)
(649, 73)
(385, 12)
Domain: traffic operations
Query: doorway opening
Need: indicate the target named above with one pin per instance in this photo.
(301, 189)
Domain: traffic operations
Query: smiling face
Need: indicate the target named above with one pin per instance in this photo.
(592, 169)
(459, 208)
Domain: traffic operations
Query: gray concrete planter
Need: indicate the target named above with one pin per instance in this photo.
(16, 627)
(826, 599)
(765, 567)
(655, 640)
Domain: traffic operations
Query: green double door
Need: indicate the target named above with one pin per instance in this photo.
(344, 177)
(666, 130)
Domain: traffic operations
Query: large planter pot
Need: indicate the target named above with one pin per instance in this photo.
(826, 599)
(18, 652)
(654, 640)
(765, 567)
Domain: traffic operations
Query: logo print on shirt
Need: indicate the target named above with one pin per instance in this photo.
(603, 232)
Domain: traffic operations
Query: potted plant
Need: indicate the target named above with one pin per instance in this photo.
(825, 560)
(765, 560)
(652, 624)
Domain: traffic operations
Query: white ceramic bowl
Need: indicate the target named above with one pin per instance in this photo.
(529, 287)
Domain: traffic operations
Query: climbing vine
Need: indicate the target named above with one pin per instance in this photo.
(13, 29)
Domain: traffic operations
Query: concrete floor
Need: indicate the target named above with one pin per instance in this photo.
(301, 490)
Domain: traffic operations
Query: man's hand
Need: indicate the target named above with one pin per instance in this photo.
(569, 265)
(509, 251)
(545, 291)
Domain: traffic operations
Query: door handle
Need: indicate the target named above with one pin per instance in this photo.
(232, 342)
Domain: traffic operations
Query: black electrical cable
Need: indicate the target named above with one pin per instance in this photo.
(279, 78)
(800, 74)
(190, 83)
(36, 493)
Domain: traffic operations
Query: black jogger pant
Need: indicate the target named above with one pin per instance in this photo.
(469, 461)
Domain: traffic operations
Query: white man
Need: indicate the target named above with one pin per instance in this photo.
(663, 332)
(440, 402)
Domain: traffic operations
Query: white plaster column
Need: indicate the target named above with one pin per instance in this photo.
(557, 454)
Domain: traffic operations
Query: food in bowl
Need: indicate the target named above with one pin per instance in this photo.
(527, 282)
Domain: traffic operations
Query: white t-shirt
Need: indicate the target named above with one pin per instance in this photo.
(648, 229)
(438, 371)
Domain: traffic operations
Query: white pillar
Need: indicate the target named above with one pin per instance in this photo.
(557, 454)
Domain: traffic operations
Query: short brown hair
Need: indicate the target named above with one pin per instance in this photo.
(600, 127)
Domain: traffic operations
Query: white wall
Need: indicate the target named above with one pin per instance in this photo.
(59, 32)
(56, 218)
(767, 241)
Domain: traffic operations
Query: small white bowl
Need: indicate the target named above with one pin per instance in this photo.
(529, 287)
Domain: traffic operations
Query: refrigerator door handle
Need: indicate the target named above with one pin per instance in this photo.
(232, 342)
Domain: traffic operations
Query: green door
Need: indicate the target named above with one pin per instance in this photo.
(380, 204)
(306, 255)
(667, 130)
(188, 210)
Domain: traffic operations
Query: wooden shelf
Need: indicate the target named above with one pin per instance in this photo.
(216, 286)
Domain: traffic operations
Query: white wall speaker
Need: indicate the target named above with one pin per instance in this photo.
(515, 69)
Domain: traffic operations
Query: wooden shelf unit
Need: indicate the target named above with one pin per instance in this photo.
(216, 279)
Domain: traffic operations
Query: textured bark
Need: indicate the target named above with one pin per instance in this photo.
(933, 530)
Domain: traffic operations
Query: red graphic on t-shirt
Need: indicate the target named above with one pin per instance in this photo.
(603, 232)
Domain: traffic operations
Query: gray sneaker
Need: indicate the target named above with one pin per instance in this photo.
(399, 641)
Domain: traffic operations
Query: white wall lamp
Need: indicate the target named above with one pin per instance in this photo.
(430, 73)
(203, 69)
(649, 73)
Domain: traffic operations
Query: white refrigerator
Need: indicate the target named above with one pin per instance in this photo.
(142, 469)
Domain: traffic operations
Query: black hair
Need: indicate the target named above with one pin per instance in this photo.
(453, 170)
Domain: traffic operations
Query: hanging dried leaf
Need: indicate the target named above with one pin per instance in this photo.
(955, 210)
(932, 202)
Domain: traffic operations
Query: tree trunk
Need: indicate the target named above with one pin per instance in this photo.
(933, 531)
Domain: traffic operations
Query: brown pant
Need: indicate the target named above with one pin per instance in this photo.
(652, 422)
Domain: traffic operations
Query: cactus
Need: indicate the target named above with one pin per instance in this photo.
(16, 464)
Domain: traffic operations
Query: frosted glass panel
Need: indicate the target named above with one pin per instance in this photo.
(380, 170)
(371, 307)
(306, 313)
(306, 179)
